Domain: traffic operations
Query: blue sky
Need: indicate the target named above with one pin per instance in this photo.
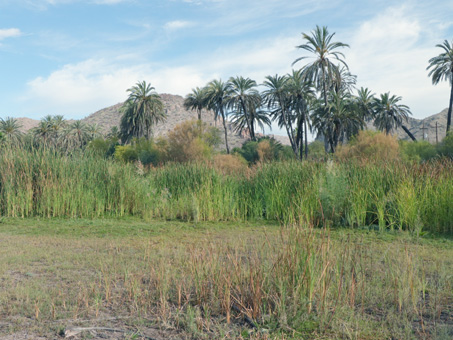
(74, 57)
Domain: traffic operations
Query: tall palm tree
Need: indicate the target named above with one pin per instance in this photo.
(141, 111)
(244, 100)
(301, 94)
(276, 97)
(389, 115)
(217, 97)
(196, 100)
(10, 128)
(322, 71)
(442, 69)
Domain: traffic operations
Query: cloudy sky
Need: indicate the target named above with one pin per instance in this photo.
(74, 57)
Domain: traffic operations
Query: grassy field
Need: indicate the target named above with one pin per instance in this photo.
(221, 280)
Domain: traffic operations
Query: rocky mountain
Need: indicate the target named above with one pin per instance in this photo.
(176, 114)
(426, 128)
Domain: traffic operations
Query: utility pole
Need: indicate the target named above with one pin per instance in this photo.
(423, 130)
(437, 138)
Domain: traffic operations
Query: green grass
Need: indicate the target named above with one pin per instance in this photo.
(200, 280)
(42, 183)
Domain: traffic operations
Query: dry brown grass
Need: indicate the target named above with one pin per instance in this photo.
(231, 165)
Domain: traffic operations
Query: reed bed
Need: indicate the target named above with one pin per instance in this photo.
(43, 183)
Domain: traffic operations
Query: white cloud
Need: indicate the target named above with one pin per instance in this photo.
(177, 24)
(79, 89)
(390, 53)
(76, 90)
(9, 33)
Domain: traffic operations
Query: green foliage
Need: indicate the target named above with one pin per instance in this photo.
(10, 128)
(99, 146)
(265, 150)
(369, 146)
(445, 148)
(142, 150)
(317, 151)
(142, 110)
(417, 152)
(248, 151)
(191, 141)
(394, 195)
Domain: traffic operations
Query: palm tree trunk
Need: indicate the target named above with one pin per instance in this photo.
(409, 133)
(450, 107)
(324, 85)
(251, 132)
(290, 134)
(225, 129)
(300, 137)
(306, 138)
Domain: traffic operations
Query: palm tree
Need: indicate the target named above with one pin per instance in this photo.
(389, 115)
(43, 132)
(365, 101)
(10, 128)
(338, 121)
(217, 97)
(196, 100)
(442, 69)
(301, 94)
(258, 116)
(322, 71)
(94, 131)
(141, 111)
(114, 134)
(76, 135)
(49, 129)
(277, 99)
(244, 100)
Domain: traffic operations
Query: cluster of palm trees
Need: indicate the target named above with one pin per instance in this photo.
(318, 97)
(52, 131)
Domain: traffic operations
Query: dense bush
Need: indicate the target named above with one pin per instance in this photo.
(445, 148)
(369, 146)
(264, 150)
(230, 164)
(418, 152)
(191, 141)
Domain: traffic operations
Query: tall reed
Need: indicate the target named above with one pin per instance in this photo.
(42, 182)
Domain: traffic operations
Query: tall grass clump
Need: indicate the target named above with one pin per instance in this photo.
(382, 195)
(43, 182)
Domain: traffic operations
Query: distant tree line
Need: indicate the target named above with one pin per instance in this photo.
(320, 97)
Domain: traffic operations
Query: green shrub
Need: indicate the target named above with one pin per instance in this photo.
(191, 141)
(316, 150)
(445, 147)
(419, 151)
(264, 150)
